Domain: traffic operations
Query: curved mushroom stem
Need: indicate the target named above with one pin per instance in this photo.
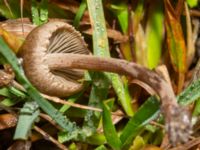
(177, 119)
(79, 61)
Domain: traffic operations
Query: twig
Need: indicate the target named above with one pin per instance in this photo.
(157, 124)
(58, 100)
(50, 138)
(50, 120)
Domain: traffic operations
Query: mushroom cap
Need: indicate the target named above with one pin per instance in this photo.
(49, 38)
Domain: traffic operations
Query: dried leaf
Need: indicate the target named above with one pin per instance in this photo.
(7, 121)
(175, 39)
(13, 41)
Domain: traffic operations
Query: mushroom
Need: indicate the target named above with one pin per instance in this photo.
(54, 56)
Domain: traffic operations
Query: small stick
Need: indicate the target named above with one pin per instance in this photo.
(50, 138)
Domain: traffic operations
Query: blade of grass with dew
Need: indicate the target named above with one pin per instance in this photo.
(73, 130)
(109, 129)
(147, 112)
(28, 115)
(190, 94)
(80, 13)
(39, 11)
(98, 93)
(154, 33)
(100, 82)
(35, 13)
(121, 11)
(43, 11)
(101, 48)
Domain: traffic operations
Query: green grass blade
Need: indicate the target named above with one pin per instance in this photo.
(154, 32)
(196, 111)
(190, 94)
(101, 48)
(80, 13)
(109, 129)
(121, 11)
(122, 92)
(43, 11)
(5, 92)
(100, 81)
(12, 96)
(9, 102)
(72, 99)
(28, 115)
(35, 13)
(147, 112)
(39, 11)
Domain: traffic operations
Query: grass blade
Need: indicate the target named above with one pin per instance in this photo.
(190, 94)
(101, 48)
(109, 129)
(154, 33)
(28, 115)
(35, 13)
(43, 11)
(80, 13)
(148, 111)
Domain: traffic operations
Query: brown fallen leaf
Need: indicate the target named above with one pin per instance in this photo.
(7, 121)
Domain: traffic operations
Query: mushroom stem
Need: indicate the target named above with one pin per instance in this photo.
(79, 61)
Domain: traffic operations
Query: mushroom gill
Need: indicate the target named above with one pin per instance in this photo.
(53, 37)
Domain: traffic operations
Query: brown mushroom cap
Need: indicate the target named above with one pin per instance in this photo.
(52, 37)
